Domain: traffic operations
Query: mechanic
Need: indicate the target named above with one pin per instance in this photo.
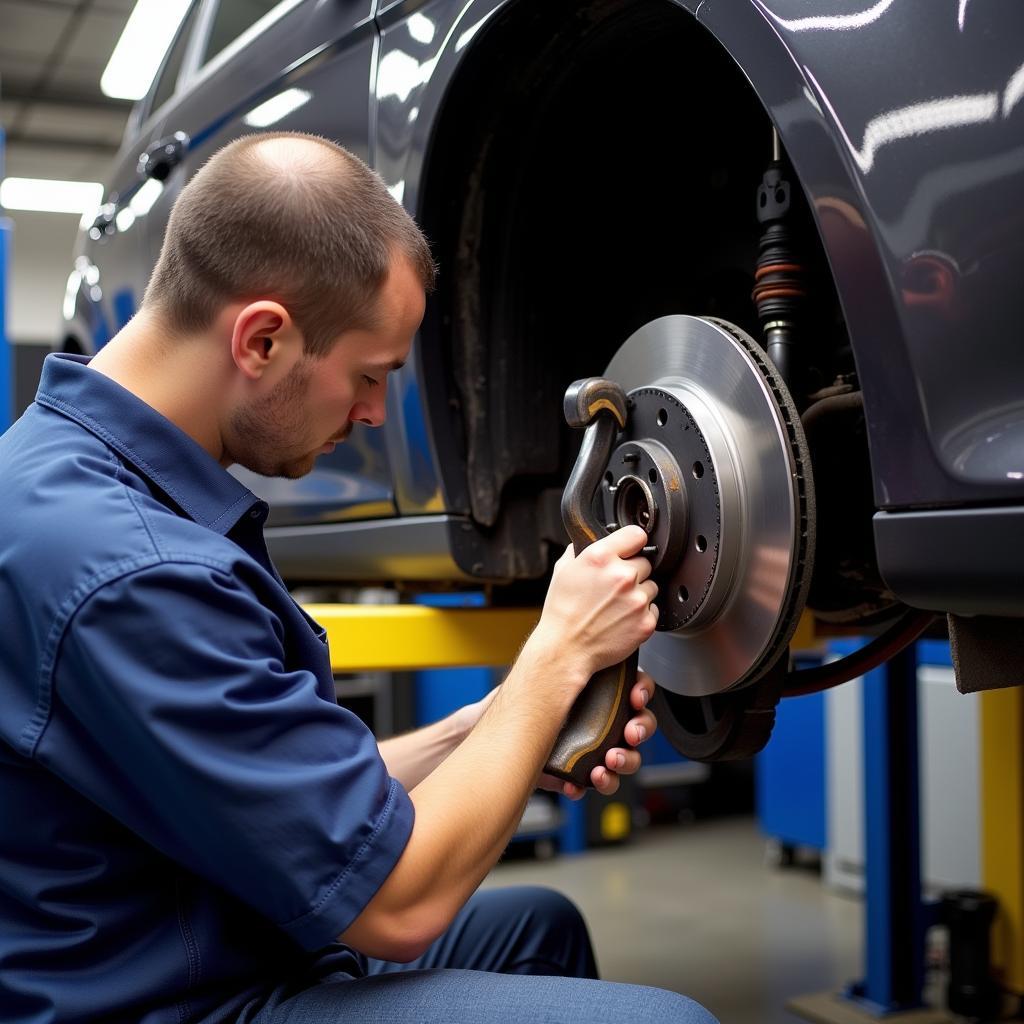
(194, 830)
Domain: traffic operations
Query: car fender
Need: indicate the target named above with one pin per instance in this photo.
(886, 159)
(893, 138)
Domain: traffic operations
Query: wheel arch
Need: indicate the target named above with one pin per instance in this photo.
(787, 94)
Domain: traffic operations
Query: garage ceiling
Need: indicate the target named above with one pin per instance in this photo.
(52, 54)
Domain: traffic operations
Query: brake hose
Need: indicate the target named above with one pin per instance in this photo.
(903, 632)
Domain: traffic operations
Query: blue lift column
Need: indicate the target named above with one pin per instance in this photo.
(895, 915)
(6, 382)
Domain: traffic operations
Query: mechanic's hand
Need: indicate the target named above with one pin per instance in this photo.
(618, 761)
(599, 603)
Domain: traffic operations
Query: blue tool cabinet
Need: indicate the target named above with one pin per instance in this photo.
(791, 776)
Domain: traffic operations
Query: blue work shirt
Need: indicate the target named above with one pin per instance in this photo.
(188, 816)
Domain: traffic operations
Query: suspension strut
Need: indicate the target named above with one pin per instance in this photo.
(780, 280)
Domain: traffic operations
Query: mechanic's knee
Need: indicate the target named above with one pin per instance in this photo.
(550, 935)
(549, 905)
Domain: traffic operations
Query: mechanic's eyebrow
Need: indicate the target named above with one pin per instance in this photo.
(388, 367)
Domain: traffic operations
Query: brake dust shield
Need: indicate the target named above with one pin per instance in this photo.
(713, 463)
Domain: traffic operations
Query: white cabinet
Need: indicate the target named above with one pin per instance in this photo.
(950, 783)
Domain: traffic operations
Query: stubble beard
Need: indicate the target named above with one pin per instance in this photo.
(265, 430)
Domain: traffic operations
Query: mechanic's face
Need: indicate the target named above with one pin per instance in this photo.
(315, 405)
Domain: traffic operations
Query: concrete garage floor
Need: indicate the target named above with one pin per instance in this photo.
(696, 909)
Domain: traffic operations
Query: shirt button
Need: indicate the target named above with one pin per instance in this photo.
(256, 513)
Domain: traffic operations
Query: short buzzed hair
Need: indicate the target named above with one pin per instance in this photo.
(287, 216)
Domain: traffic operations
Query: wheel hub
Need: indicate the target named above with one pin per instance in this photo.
(662, 477)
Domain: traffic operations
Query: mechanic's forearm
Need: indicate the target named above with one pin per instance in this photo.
(412, 757)
(468, 808)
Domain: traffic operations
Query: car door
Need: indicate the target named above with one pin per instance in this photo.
(291, 65)
(111, 269)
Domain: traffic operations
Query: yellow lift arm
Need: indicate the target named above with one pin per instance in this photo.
(407, 637)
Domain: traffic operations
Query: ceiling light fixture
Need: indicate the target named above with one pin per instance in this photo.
(48, 196)
(143, 43)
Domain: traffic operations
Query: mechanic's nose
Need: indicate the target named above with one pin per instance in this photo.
(370, 413)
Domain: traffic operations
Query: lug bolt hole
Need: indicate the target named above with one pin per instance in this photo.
(701, 543)
(609, 479)
(652, 475)
(698, 470)
(662, 417)
(684, 594)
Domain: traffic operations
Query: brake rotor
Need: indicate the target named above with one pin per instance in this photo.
(713, 463)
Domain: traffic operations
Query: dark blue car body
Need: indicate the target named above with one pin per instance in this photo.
(582, 168)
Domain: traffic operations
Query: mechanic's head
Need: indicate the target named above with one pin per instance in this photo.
(290, 251)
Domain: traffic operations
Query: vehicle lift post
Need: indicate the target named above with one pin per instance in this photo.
(896, 917)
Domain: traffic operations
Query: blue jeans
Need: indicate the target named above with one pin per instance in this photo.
(520, 956)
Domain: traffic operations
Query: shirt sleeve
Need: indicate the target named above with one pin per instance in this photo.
(177, 715)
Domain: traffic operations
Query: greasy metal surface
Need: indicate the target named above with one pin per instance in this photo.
(586, 399)
(596, 723)
(714, 377)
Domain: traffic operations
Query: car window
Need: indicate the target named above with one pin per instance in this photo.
(172, 65)
(233, 17)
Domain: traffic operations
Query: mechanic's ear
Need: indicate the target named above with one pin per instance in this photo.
(263, 335)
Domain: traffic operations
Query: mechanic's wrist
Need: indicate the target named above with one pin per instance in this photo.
(566, 665)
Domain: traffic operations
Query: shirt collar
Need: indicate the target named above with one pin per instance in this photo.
(161, 451)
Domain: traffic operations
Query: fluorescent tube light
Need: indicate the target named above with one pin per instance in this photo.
(276, 107)
(143, 43)
(48, 196)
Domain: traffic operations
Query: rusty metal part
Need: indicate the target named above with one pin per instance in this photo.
(598, 719)
(599, 406)
(586, 399)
